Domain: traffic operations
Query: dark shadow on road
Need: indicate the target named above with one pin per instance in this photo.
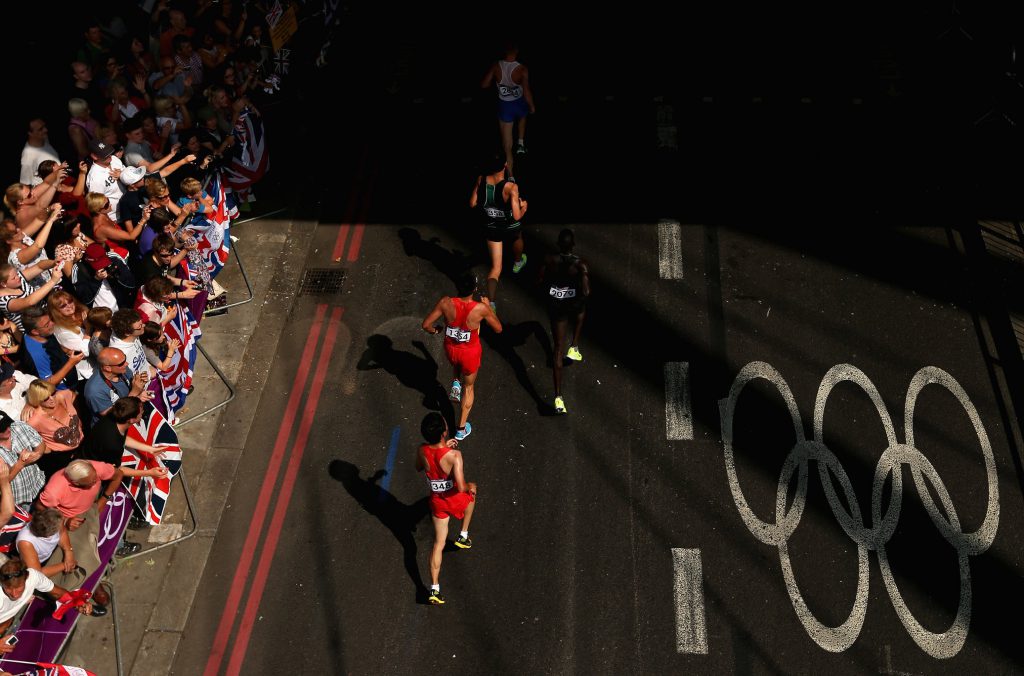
(399, 518)
(505, 344)
(414, 372)
(451, 263)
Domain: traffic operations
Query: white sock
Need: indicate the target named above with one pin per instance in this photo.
(435, 587)
(465, 534)
(520, 141)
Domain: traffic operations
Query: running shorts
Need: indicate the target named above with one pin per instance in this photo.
(453, 505)
(465, 357)
(510, 111)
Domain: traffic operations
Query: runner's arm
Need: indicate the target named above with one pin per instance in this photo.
(435, 314)
(476, 189)
(460, 479)
(585, 275)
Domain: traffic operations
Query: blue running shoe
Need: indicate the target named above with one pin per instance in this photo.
(464, 432)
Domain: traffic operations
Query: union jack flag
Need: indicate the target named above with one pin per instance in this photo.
(9, 531)
(213, 232)
(153, 430)
(47, 669)
(251, 160)
(177, 379)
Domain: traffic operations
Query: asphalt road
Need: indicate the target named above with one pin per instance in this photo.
(819, 248)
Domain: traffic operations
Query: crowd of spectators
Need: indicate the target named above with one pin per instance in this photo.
(101, 279)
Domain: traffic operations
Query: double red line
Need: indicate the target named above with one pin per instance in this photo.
(284, 494)
(358, 204)
(352, 222)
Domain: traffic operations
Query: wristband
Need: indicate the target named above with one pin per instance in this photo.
(108, 497)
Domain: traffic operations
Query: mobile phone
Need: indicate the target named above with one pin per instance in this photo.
(11, 640)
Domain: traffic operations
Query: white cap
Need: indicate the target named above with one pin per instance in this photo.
(131, 175)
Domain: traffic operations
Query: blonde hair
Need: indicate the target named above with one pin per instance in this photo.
(38, 392)
(77, 106)
(191, 186)
(95, 201)
(73, 322)
(12, 196)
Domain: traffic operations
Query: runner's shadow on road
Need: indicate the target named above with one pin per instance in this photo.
(418, 373)
(505, 344)
(450, 263)
(401, 519)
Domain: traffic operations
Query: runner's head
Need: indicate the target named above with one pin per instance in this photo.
(433, 427)
(566, 241)
(465, 285)
(495, 164)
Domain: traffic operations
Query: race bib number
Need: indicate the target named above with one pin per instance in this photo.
(457, 334)
(494, 213)
(561, 293)
(515, 91)
(440, 485)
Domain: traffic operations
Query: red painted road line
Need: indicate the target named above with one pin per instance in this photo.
(259, 581)
(339, 244)
(350, 209)
(238, 586)
(357, 239)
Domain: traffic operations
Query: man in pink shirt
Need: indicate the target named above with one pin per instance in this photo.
(74, 493)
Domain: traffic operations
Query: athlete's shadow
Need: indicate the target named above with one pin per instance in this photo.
(418, 373)
(505, 344)
(451, 263)
(399, 518)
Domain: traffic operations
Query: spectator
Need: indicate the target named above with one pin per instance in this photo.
(68, 315)
(125, 327)
(74, 492)
(18, 295)
(21, 447)
(20, 584)
(44, 356)
(171, 80)
(111, 381)
(107, 440)
(37, 148)
(96, 48)
(52, 413)
(178, 26)
(31, 206)
(124, 104)
(103, 174)
(26, 253)
(37, 542)
(85, 87)
(187, 59)
(13, 385)
(159, 350)
(97, 324)
(105, 230)
(70, 193)
(102, 279)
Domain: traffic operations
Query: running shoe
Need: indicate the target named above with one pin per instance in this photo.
(456, 392)
(464, 543)
(559, 405)
(464, 432)
(519, 264)
(435, 597)
(574, 353)
(520, 149)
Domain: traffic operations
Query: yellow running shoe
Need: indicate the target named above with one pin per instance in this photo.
(574, 353)
(559, 405)
(463, 543)
(435, 598)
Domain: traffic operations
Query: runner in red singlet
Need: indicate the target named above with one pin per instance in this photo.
(462, 317)
(450, 494)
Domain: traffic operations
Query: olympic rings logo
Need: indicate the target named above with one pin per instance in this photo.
(837, 639)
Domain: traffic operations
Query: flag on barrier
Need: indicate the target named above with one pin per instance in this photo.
(251, 159)
(177, 380)
(151, 493)
(213, 233)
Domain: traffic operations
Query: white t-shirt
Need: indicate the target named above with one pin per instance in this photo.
(75, 340)
(31, 157)
(44, 546)
(136, 355)
(105, 297)
(13, 406)
(99, 180)
(35, 581)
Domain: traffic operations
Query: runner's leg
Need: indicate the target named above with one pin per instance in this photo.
(468, 380)
(506, 142)
(559, 327)
(579, 327)
(440, 539)
(469, 508)
(495, 249)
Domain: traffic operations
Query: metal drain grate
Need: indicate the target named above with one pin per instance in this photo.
(321, 282)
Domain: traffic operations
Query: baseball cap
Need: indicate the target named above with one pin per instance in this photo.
(100, 149)
(96, 256)
(131, 175)
(6, 371)
(5, 420)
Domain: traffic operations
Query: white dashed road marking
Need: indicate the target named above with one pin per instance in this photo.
(670, 250)
(678, 417)
(691, 630)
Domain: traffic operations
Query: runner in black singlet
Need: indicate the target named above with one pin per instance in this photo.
(565, 280)
(503, 210)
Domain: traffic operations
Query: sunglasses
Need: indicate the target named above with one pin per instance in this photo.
(6, 577)
(123, 362)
